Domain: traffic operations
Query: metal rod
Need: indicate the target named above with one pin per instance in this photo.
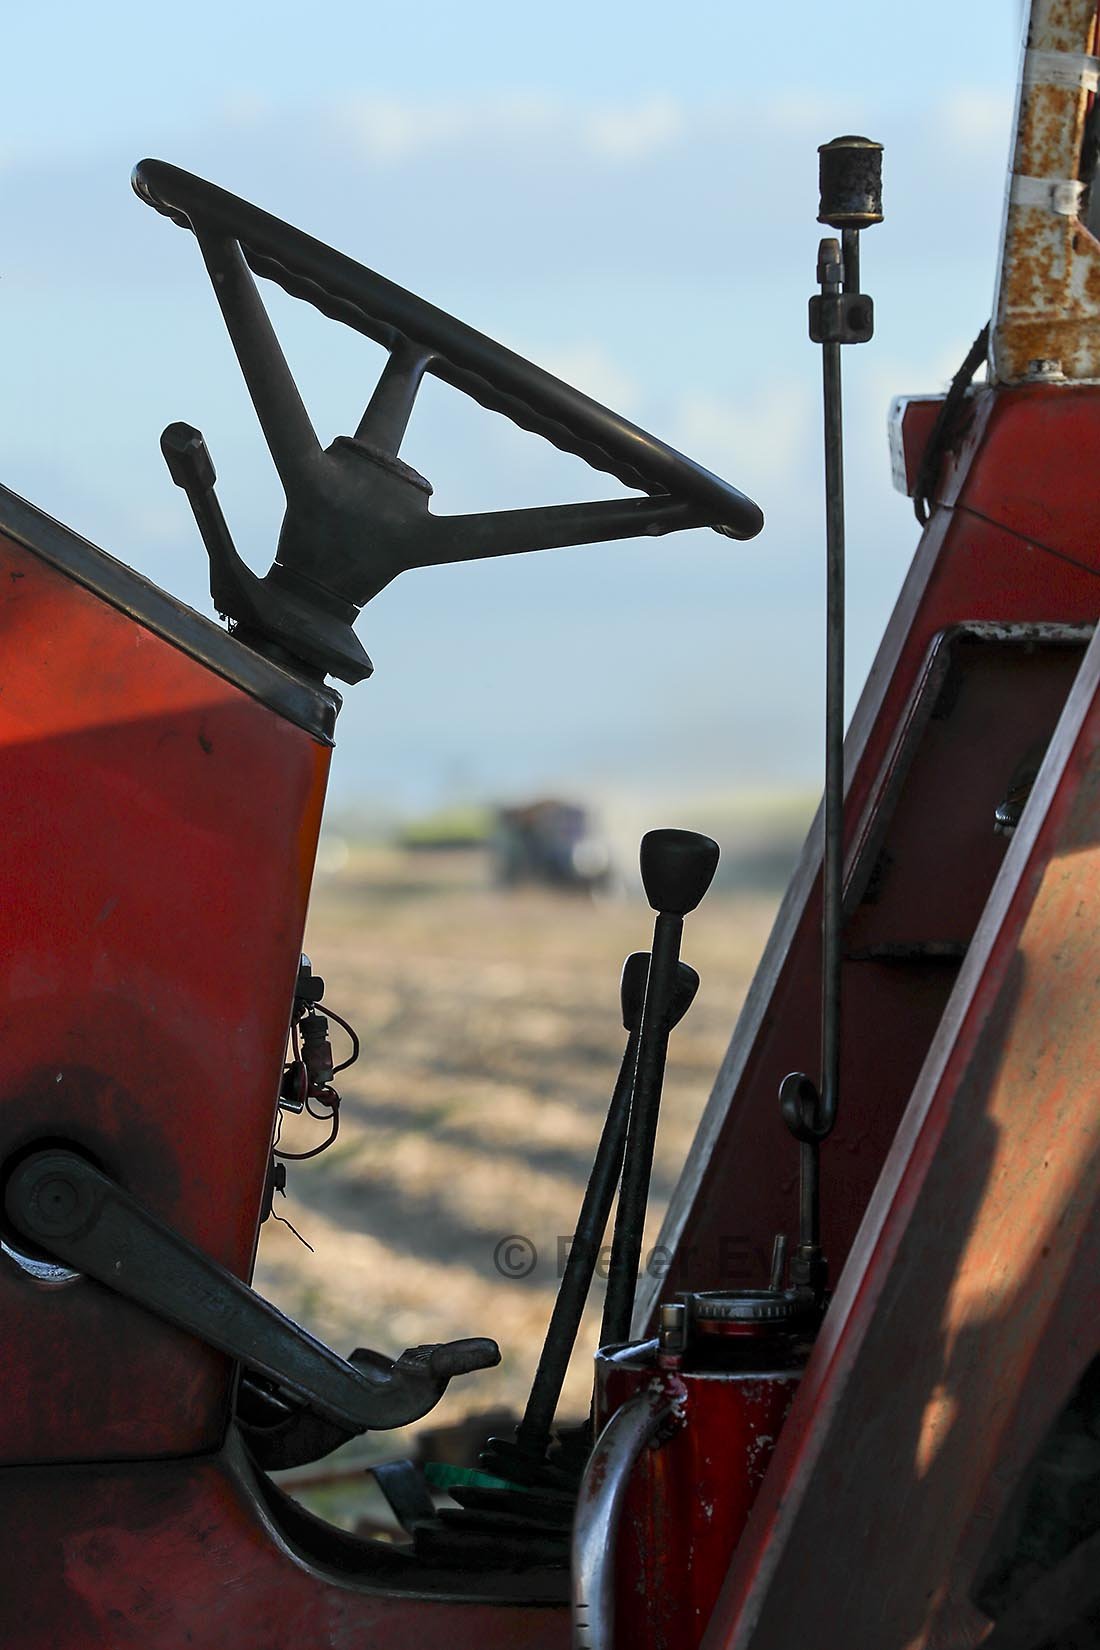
(833, 861)
(851, 199)
(599, 1512)
(533, 1432)
(849, 248)
(779, 1261)
(809, 1193)
(626, 1245)
(833, 886)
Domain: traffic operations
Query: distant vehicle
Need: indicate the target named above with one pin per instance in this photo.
(549, 842)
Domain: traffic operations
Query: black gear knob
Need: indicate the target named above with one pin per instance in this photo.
(632, 990)
(677, 869)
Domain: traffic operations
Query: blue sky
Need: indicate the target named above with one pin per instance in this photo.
(627, 194)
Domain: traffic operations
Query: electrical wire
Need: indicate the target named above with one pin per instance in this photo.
(352, 1033)
(327, 1096)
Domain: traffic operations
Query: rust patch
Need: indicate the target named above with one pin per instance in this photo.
(1062, 25)
(1048, 304)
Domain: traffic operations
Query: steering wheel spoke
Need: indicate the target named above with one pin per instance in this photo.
(552, 527)
(386, 419)
(279, 407)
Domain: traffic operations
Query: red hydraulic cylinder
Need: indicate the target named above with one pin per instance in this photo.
(664, 1503)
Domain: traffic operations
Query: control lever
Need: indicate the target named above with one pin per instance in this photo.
(259, 612)
(533, 1433)
(65, 1205)
(677, 869)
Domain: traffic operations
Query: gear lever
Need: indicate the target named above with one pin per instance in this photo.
(677, 869)
(533, 1433)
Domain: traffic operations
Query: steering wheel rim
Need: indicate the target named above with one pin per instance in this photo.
(492, 375)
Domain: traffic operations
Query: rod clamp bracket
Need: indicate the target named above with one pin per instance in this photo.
(841, 318)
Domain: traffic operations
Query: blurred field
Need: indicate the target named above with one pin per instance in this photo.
(491, 1039)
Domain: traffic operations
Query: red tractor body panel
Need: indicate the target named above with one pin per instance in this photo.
(1013, 562)
(160, 826)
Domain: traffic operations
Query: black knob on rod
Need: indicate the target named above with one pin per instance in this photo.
(677, 869)
(850, 178)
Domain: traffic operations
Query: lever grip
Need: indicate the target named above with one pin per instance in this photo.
(632, 990)
(677, 869)
(189, 463)
(464, 1357)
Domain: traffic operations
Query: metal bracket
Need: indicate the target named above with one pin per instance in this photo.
(841, 318)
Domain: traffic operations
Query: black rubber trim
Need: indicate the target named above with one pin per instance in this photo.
(304, 703)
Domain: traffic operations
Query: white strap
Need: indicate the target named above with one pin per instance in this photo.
(1074, 69)
(1061, 196)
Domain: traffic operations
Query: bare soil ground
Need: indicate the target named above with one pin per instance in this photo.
(491, 1039)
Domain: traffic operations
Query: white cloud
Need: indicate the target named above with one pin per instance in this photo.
(755, 441)
(627, 132)
(977, 118)
(632, 132)
(390, 128)
(806, 113)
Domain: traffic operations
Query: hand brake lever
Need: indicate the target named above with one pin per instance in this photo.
(262, 612)
(65, 1205)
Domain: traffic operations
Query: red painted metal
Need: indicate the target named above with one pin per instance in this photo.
(160, 827)
(150, 963)
(968, 1307)
(1018, 543)
(177, 1553)
(691, 1493)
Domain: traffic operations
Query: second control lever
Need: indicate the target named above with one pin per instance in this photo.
(677, 869)
(533, 1433)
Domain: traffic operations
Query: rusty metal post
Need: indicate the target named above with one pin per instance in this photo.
(1047, 309)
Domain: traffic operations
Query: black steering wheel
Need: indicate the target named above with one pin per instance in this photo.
(357, 515)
